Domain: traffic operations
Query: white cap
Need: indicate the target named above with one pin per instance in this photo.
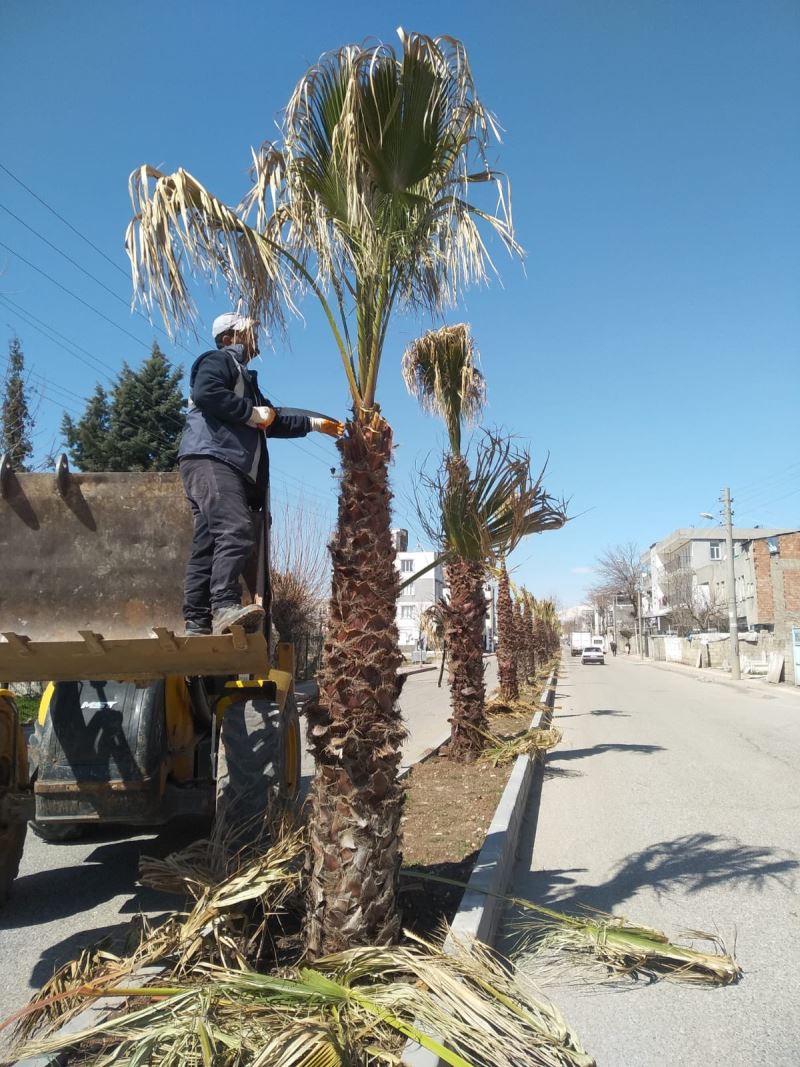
(231, 320)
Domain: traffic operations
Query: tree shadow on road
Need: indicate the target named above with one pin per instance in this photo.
(598, 750)
(119, 938)
(610, 711)
(78, 885)
(560, 772)
(691, 863)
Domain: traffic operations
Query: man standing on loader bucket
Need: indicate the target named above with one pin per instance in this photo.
(224, 465)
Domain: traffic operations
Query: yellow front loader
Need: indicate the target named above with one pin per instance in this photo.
(138, 723)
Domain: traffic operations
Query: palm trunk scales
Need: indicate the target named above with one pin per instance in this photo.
(466, 619)
(356, 731)
(506, 649)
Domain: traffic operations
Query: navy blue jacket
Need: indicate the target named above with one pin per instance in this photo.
(223, 393)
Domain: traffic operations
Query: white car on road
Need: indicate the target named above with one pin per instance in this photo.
(593, 654)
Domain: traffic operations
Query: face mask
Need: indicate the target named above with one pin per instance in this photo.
(238, 353)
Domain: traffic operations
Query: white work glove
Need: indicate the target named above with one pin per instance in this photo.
(262, 417)
(332, 427)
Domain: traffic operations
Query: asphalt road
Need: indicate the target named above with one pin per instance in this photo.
(674, 800)
(69, 895)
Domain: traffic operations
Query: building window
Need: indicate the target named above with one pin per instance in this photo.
(715, 549)
(406, 611)
(409, 590)
(407, 566)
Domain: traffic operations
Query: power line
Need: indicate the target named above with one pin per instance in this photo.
(74, 295)
(125, 303)
(95, 279)
(68, 258)
(53, 211)
(31, 319)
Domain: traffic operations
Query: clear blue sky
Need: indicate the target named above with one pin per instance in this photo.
(649, 345)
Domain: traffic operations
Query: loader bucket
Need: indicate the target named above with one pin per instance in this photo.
(91, 581)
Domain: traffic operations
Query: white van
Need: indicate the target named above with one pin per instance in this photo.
(600, 642)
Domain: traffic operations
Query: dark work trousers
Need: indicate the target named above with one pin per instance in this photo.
(224, 536)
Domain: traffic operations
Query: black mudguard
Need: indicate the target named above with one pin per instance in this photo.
(99, 753)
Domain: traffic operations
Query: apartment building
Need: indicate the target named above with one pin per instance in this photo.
(427, 590)
(421, 593)
(685, 588)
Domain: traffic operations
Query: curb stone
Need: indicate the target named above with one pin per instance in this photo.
(479, 913)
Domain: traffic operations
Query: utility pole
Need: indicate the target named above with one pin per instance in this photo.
(733, 615)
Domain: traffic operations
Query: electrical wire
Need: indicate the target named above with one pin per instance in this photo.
(74, 295)
(68, 224)
(94, 278)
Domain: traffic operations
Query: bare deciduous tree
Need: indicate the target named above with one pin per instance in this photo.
(620, 571)
(693, 606)
(300, 569)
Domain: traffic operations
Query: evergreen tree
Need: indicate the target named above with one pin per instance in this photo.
(88, 440)
(135, 428)
(16, 421)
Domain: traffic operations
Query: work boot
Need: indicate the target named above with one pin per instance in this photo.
(197, 629)
(249, 618)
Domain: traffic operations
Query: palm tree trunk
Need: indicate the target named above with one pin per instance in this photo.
(356, 732)
(466, 620)
(506, 659)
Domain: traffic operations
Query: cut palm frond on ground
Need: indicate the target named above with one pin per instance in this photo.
(500, 751)
(528, 701)
(351, 1008)
(626, 948)
(233, 899)
(498, 706)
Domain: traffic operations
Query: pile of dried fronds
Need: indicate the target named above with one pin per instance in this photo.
(233, 899)
(355, 1007)
(499, 751)
(525, 704)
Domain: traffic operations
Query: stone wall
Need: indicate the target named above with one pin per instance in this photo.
(753, 655)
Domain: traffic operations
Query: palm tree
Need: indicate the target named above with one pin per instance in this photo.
(440, 370)
(366, 203)
(478, 516)
(506, 657)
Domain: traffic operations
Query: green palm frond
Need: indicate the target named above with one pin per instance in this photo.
(625, 948)
(439, 369)
(482, 515)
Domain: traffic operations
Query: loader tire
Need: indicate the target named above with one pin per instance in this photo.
(55, 834)
(13, 777)
(258, 767)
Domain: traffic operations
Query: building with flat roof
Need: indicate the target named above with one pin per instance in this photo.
(686, 576)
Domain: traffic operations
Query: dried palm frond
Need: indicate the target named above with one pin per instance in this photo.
(350, 1007)
(626, 948)
(500, 751)
(439, 370)
(233, 898)
(524, 704)
(432, 623)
